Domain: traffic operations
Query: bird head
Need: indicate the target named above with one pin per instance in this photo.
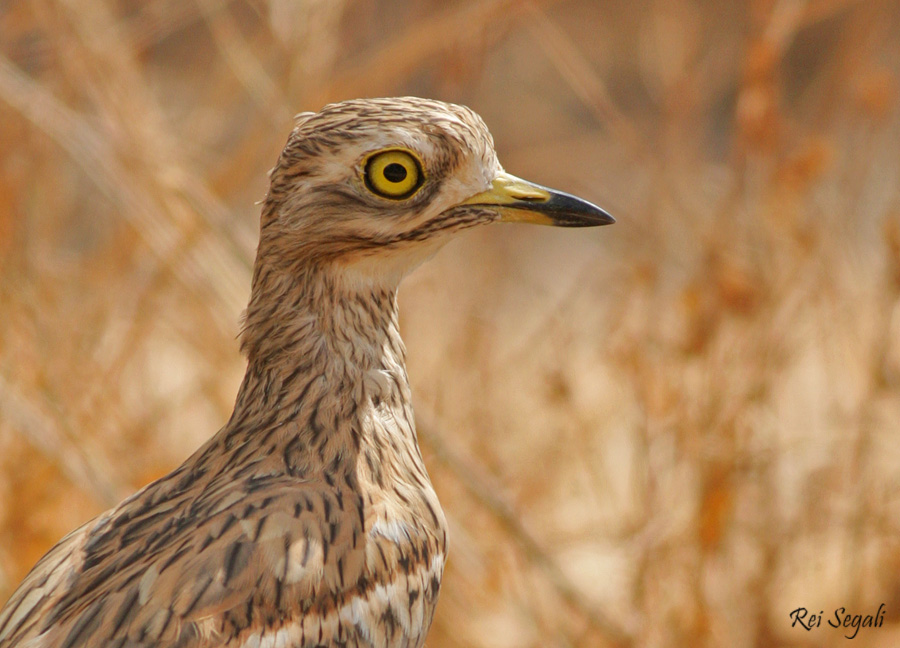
(376, 186)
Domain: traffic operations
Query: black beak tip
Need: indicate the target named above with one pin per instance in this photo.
(568, 211)
(598, 218)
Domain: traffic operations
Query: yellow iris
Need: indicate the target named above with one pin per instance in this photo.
(395, 174)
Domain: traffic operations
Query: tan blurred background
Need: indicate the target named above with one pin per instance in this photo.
(670, 432)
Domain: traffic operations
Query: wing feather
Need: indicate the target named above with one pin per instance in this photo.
(178, 569)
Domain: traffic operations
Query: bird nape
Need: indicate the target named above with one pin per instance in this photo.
(308, 519)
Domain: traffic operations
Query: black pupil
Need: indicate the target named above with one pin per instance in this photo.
(395, 172)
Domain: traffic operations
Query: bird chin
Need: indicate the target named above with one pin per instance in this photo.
(386, 267)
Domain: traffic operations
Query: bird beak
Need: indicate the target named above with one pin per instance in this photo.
(520, 201)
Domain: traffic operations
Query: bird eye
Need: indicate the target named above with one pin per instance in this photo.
(395, 174)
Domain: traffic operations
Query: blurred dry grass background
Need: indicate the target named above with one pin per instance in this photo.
(671, 432)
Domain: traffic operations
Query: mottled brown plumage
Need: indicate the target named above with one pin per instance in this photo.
(308, 519)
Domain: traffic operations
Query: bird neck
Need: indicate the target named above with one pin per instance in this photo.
(326, 364)
(319, 318)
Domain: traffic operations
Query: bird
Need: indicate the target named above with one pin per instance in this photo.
(308, 520)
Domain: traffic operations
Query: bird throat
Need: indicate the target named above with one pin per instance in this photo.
(326, 375)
